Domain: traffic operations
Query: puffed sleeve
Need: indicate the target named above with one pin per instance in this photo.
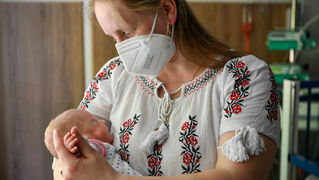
(99, 97)
(250, 107)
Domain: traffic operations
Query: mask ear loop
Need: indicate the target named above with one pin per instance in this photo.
(153, 27)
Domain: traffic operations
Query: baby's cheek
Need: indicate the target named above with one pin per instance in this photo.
(104, 136)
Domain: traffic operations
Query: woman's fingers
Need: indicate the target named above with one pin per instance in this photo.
(64, 154)
(83, 146)
(74, 149)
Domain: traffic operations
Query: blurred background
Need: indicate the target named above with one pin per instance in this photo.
(50, 49)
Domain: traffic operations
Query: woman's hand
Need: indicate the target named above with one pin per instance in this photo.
(91, 165)
(62, 124)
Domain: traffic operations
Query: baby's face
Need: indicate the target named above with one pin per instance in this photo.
(90, 126)
(97, 129)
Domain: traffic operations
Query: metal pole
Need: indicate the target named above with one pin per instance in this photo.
(87, 44)
(292, 27)
(289, 126)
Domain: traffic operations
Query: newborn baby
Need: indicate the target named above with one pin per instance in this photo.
(98, 135)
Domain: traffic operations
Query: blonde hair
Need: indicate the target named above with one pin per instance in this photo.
(194, 42)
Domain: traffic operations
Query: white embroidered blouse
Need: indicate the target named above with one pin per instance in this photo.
(240, 96)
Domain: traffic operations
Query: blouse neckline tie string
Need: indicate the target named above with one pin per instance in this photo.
(159, 135)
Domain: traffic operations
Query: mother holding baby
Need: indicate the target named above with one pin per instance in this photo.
(182, 104)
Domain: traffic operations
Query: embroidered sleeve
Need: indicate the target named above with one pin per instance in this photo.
(98, 97)
(250, 107)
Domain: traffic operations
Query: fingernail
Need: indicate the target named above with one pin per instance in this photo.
(54, 131)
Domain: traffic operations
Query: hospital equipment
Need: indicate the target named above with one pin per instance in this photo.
(247, 21)
(287, 40)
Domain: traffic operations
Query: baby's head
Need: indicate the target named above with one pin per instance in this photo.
(88, 125)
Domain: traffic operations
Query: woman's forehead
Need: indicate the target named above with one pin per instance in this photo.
(113, 16)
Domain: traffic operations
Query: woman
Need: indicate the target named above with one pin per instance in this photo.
(180, 102)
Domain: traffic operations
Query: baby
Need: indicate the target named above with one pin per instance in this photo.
(97, 133)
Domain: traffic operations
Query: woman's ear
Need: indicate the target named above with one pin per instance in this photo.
(169, 7)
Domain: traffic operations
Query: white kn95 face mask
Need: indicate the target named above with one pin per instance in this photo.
(146, 54)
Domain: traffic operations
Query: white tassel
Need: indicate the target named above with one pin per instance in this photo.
(246, 142)
(234, 149)
(154, 137)
(254, 143)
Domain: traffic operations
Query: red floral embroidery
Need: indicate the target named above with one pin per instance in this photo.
(102, 74)
(187, 158)
(93, 89)
(272, 104)
(240, 65)
(238, 76)
(275, 115)
(113, 66)
(273, 97)
(234, 96)
(236, 109)
(158, 147)
(190, 154)
(241, 76)
(94, 85)
(185, 126)
(88, 95)
(192, 140)
(244, 83)
(124, 136)
(127, 123)
(197, 160)
(154, 161)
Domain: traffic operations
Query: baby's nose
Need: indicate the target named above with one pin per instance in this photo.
(102, 121)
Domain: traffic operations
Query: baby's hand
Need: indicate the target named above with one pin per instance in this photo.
(70, 141)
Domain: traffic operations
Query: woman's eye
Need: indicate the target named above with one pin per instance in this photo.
(126, 34)
(129, 34)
